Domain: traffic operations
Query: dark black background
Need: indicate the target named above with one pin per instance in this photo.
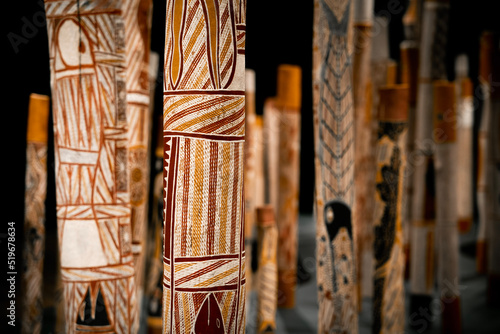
(278, 32)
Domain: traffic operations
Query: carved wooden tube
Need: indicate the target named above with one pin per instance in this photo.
(432, 66)
(409, 75)
(249, 172)
(388, 294)
(364, 162)
(88, 79)
(334, 160)
(288, 102)
(465, 118)
(485, 72)
(267, 279)
(137, 17)
(445, 137)
(34, 208)
(204, 132)
(493, 177)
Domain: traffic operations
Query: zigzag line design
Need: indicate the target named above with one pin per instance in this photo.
(336, 117)
(339, 74)
(332, 132)
(344, 151)
(337, 175)
(333, 91)
(339, 193)
(335, 95)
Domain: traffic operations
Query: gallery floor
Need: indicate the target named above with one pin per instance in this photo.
(477, 318)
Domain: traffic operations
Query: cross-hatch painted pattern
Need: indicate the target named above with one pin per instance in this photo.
(334, 132)
(91, 151)
(204, 129)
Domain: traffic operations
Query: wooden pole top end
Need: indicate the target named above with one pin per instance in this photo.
(409, 67)
(393, 104)
(259, 121)
(289, 91)
(38, 118)
(265, 215)
(249, 80)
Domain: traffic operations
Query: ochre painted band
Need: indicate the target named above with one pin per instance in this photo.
(393, 104)
(38, 118)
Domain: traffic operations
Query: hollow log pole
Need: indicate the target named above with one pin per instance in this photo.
(288, 103)
(154, 264)
(91, 130)
(482, 191)
(137, 16)
(34, 208)
(334, 162)
(267, 278)
(204, 131)
(432, 66)
(465, 118)
(364, 162)
(249, 173)
(409, 75)
(388, 294)
(447, 243)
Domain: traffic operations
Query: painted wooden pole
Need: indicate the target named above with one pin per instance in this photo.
(380, 75)
(249, 172)
(267, 279)
(250, 159)
(447, 243)
(409, 75)
(271, 148)
(88, 79)
(411, 20)
(288, 103)
(154, 264)
(364, 162)
(485, 73)
(271, 151)
(260, 189)
(204, 133)
(493, 178)
(383, 69)
(154, 255)
(465, 118)
(409, 53)
(432, 67)
(334, 161)
(34, 217)
(388, 294)
(137, 16)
